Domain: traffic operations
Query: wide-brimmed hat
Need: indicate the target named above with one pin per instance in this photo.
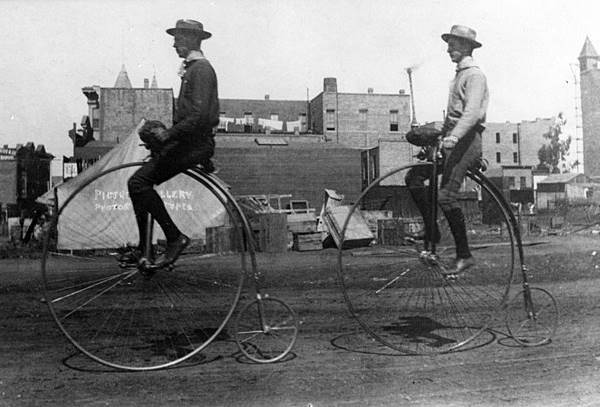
(462, 32)
(190, 26)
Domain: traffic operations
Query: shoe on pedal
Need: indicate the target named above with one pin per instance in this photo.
(461, 265)
(174, 250)
(130, 258)
(421, 236)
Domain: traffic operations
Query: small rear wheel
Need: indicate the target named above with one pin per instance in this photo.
(266, 330)
(532, 317)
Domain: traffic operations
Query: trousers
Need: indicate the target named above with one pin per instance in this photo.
(177, 158)
(454, 168)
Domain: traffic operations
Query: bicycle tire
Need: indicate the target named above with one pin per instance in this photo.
(405, 302)
(123, 319)
(266, 330)
(532, 322)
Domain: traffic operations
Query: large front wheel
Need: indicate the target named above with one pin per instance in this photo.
(126, 318)
(401, 295)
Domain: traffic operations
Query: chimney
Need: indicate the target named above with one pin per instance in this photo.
(330, 85)
(402, 92)
(146, 83)
(370, 91)
(267, 97)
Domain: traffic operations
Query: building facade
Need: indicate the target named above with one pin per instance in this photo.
(114, 112)
(263, 116)
(513, 144)
(359, 119)
(24, 176)
(589, 75)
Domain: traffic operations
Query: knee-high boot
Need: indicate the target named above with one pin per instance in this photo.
(149, 201)
(422, 199)
(456, 220)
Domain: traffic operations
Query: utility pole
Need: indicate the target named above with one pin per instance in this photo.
(413, 121)
(578, 121)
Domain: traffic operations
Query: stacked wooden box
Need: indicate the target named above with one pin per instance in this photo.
(303, 230)
(390, 232)
(221, 239)
(307, 241)
(270, 230)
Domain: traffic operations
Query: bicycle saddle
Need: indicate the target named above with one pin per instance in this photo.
(423, 136)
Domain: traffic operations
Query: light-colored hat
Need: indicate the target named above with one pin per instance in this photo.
(463, 32)
(191, 26)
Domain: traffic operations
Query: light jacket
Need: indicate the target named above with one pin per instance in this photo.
(467, 100)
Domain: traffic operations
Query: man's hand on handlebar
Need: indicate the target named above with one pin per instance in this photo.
(449, 141)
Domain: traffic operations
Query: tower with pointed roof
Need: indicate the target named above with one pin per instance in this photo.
(113, 112)
(590, 107)
(123, 79)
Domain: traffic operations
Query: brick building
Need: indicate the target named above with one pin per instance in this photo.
(262, 116)
(263, 145)
(114, 112)
(302, 167)
(24, 176)
(515, 143)
(590, 107)
(359, 119)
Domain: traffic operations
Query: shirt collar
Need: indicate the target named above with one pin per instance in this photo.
(194, 55)
(466, 62)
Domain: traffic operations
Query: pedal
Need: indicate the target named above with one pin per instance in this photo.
(127, 265)
(450, 276)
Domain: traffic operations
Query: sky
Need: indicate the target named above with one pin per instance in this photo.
(51, 49)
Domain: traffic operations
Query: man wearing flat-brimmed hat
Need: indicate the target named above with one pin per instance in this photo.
(463, 125)
(189, 142)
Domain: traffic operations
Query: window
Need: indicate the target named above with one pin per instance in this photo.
(393, 120)
(498, 157)
(362, 115)
(248, 122)
(222, 123)
(522, 182)
(511, 182)
(95, 123)
(515, 138)
(374, 171)
(497, 138)
(330, 119)
(362, 119)
(515, 157)
(303, 122)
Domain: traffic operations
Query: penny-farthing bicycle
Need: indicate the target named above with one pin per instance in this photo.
(404, 294)
(145, 319)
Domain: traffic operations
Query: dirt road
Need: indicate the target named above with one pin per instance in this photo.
(333, 362)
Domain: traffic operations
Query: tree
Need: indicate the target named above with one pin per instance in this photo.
(552, 155)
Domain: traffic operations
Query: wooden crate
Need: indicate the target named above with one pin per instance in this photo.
(390, 232)
(307, 241)
(221, 239)
(412, 225)
(302, 222)
(270, 231)
(373, 216)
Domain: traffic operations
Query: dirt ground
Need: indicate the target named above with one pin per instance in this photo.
(333, 363)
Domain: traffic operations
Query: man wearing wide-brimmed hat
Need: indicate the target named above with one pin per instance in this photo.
(463, 125)
(189, 142)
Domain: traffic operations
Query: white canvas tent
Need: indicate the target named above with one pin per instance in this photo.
(101, 214)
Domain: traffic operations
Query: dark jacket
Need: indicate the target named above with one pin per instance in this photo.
(197, 109)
